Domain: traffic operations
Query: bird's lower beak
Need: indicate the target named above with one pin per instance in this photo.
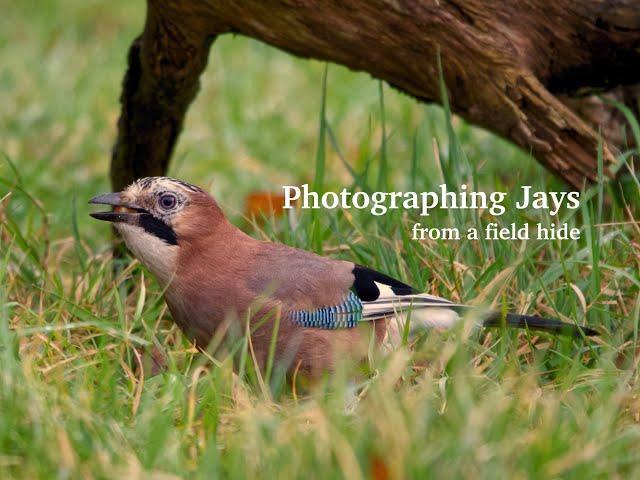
(123, 212)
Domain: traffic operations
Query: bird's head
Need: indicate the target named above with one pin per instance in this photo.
(154, 214)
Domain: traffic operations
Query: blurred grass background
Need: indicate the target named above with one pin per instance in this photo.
(252, 127)
(74, 402)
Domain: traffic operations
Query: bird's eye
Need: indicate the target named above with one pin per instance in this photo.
(168, 201)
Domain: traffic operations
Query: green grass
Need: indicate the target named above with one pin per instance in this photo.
(73, 400)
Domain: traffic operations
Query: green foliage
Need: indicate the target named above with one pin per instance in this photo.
(74, 336)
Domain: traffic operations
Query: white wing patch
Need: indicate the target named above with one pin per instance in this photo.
(422, 310)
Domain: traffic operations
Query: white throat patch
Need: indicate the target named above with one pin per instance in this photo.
(157, 255)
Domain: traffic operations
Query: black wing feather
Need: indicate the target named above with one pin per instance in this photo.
(365, 284)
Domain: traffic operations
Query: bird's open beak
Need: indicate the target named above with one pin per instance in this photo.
(123, 212)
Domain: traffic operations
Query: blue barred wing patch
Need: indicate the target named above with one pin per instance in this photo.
(345, 315)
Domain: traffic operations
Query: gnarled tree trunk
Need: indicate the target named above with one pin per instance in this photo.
(520, 69)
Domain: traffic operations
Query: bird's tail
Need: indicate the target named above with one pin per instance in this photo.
(427, 311)
(531, 322)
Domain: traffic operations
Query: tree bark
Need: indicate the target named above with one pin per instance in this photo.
(518, 69)
(162, 79)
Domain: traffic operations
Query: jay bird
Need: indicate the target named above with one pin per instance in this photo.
(211, 270)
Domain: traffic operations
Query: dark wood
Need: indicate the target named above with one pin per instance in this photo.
(518, 68)
(162, 79)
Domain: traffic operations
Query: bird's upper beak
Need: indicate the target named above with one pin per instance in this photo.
(124, 212)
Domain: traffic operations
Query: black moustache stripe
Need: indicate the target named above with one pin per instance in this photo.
(158, 228)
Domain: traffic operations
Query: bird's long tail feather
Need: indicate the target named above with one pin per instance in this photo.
(537, 323)
(427, 311)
